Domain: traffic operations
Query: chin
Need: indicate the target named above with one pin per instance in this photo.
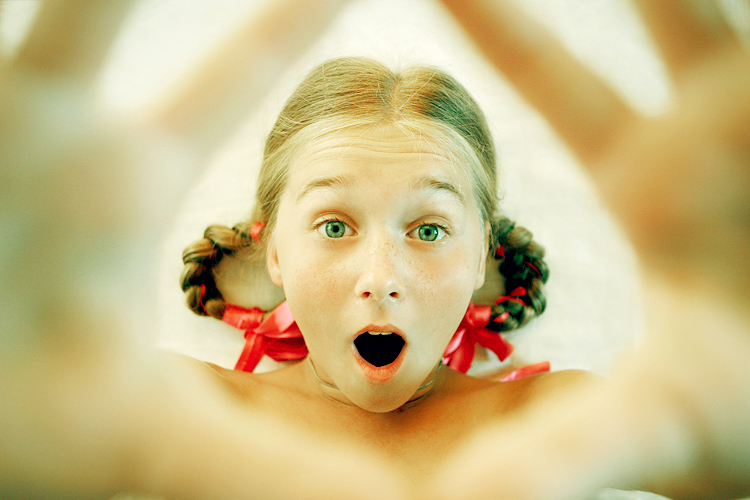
(383, 398)
(385, 404)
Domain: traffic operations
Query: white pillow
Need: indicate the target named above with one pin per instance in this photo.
(593, 312)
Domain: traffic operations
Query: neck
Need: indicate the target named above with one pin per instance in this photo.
(332, 392)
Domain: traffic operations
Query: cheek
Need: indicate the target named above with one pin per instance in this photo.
(319, 285)
(447, 284)
(303, 276)
(313, 284)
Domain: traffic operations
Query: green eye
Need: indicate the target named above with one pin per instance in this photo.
(428, 232)
(335, 228)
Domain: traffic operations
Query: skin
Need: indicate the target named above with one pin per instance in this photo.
(166, 429)
(381, 272)
(674, 416)
(87, 411)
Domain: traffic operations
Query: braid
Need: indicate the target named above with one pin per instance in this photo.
(520, 262)
(197, 280)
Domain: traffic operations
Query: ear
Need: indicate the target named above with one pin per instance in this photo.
(484, 255)
(272, 264)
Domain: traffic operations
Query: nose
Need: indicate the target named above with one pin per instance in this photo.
(381, 276)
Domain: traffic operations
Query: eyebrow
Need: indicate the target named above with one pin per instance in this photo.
(432, 184)
(337, 181)
(341, 181)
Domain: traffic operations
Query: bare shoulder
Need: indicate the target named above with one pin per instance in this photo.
(564, 379)
(241, 384)
(539, 387)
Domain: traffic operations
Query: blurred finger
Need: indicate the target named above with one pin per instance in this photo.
(584, 111)
(579, 439)
(71, 38)
(685, 30)
(679, 182)
(220, 90)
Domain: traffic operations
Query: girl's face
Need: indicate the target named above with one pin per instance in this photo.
(378, 232)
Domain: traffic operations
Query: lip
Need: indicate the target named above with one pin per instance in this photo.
(379, 374)
(376, 328)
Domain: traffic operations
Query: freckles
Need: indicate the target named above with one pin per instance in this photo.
(328, 283)
(431, 282)
(436, 282)
(319, 280)
(453, 278)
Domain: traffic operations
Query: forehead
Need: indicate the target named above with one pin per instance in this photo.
(386, 153)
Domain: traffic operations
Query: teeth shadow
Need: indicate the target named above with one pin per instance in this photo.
(379, 350)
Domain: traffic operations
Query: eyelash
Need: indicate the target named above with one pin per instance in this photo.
(319, 226)
(441, 229)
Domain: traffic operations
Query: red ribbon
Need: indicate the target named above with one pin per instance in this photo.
(527, 371)
(518, 292)
(277, 336)
(460, 351)
(255, 231)
(532, 266)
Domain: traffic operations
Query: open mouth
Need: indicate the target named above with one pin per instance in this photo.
(379, 348)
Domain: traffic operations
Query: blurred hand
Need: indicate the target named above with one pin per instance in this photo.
(87, 409)
(675, 415)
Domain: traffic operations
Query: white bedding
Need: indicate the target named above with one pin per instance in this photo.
(593, 312)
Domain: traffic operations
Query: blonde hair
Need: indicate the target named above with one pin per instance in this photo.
(350, 92)
(355, 92)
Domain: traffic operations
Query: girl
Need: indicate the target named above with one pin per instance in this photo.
(376, 213)
(71, 371)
